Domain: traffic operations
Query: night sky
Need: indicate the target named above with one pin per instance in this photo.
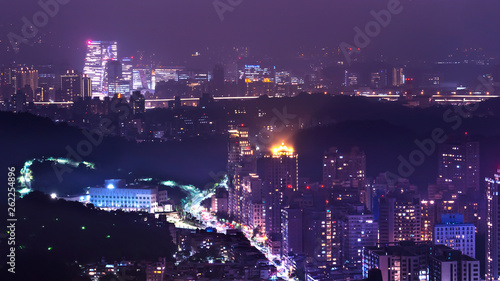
(425, 29)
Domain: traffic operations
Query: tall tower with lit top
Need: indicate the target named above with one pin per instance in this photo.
(280, 172)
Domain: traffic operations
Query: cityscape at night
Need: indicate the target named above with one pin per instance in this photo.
(250, 140)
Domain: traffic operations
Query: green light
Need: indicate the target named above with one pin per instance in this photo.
(109, 236)
(49, 248)
(83, 227)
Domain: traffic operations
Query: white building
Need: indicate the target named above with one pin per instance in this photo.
(116, 195)
(456, 234)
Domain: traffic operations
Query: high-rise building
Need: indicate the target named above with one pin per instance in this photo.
(280, 178)
(96, 60)
(398, 76)
(428, 219)
(493, 228)
(454, 233)
(292, 231)
(400, 219)
(74, 86)
(459, 165)
(358, 231)
(27, 76)
(344, 166)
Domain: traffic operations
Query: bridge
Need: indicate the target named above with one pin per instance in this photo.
(151, 102)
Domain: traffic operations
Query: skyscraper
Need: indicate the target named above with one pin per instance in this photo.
(459, 165)
(493, 224)
(280, 178)
(98, 55)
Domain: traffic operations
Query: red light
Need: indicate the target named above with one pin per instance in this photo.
(242, 125)
(239, 58)
(465, 133)
(89, 42)
(322, 186)
(289, 186)
(307, 187)
(132, 57)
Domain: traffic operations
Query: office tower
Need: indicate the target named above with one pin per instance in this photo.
(454, 233)
(358, 231)
(493, 231)
(459, 165)
(400, 218)
(291, 231)
(218, 80)
(280, 179)
(137, 103)
(127, 69)
(99, 53)
(241, 163)
(398, 76)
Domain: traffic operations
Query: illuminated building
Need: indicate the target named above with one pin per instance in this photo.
(342, 167)
(119, 87)
(142, 79)
(137, 103)
(493, 228)
(165, 75)
(398, 76)
(27, 76)
(449, 264)
(378, 80)
(127, 69)
(241, 163)
(454, 233)
(280, 179)
(419, 261)
(400, 219)
(219, 202)
(97, 57)
(351, 79)
(257, 80)
(116, 195)
(74, 86)
(459, 165)
(428, 220)
(359, 231)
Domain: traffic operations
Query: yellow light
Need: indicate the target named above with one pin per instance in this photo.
(282, 150)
